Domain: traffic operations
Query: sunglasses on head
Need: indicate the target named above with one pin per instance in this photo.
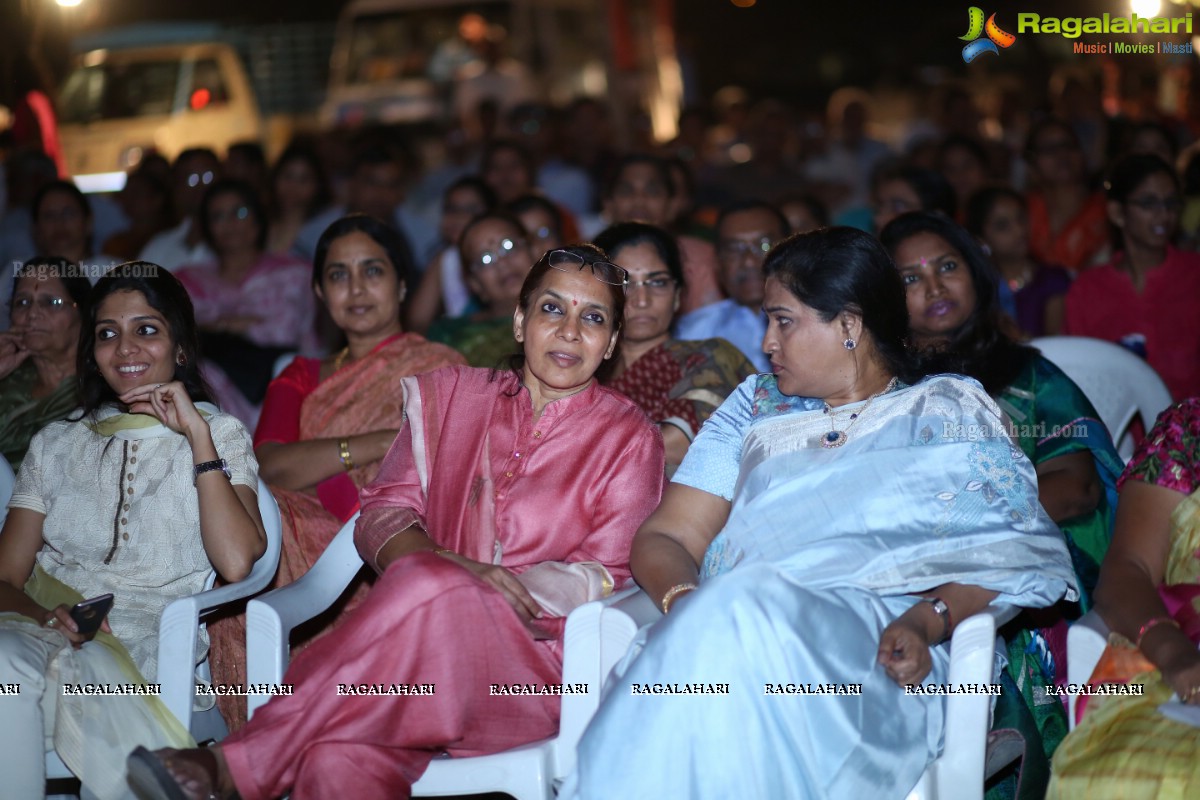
(605, 272)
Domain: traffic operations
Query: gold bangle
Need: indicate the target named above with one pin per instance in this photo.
(1150, 625)
(344, 454)
(678, 588)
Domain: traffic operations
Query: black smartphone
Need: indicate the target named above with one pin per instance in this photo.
(90, 613)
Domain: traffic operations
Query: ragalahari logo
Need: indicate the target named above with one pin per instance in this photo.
(996, 38)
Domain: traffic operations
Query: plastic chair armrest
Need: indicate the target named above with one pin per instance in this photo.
(1086, 640)
(972, 656)
(271, 617)
(180, 619)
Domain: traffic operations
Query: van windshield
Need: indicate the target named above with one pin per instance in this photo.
(118, 90)
(430, 43)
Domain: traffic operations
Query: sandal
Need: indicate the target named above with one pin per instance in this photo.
(163, 774)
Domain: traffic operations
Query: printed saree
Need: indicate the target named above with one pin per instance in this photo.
(22, 415)
(1051, 417)
(1124, 746)
(681, 383)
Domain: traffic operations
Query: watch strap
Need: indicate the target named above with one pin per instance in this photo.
(210, 466)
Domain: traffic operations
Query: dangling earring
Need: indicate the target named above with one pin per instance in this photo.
(181, 359)
(849, 344)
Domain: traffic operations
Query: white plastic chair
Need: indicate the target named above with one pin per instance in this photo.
(959, 771)
(597, 635)
(1086, 639)
(177, 635)
(7, 479)
(1119, 384)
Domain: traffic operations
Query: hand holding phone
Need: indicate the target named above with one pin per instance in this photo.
(89, 614)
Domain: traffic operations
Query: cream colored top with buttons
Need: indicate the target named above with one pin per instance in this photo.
(122, 516)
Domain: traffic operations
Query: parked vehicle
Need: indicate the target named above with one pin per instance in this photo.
(170, 87)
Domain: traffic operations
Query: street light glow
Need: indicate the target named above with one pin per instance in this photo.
(69, 3)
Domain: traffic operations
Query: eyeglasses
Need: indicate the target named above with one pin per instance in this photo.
(738, 248)
(200, 178)
(241, 213)
(1151, 203)
(605, 272)
(489, 258)
(655, 284)
(45, 302)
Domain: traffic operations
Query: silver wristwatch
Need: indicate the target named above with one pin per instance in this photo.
(210, 466)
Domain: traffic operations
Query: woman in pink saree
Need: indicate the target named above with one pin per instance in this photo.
(327, 423)
(508, 499)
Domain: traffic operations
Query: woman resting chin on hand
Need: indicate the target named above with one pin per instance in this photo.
(142, 495)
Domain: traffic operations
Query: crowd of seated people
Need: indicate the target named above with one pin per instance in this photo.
(500, 360)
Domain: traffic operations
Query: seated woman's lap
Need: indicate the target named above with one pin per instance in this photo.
(1121, 733)
(752, 627)
(426, 621)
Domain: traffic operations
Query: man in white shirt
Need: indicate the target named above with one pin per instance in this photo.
(192, 173)
(745, 233)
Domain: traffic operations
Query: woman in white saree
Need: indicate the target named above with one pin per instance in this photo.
(141, 495)
(829, 526)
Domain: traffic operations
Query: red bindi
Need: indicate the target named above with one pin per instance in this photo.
(574, 302)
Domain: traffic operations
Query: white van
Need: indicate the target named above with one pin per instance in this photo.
(118, 104)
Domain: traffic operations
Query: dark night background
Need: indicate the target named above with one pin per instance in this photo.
(793, 49)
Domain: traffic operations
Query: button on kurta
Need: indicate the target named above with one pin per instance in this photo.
(129, 490)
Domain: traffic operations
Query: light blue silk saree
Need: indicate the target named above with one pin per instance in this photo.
(821, 551)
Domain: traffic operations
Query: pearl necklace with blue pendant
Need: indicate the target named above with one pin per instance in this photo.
(836, 438)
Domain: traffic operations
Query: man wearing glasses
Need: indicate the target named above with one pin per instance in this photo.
(192, 173)
(745, 232)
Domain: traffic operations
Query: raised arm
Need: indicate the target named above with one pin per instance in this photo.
(230, 526)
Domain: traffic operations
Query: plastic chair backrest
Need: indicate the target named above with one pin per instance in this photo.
(1118, 383)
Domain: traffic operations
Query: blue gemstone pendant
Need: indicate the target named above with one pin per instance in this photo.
(834, 439)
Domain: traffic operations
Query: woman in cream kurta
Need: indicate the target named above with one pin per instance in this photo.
(110, 502)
